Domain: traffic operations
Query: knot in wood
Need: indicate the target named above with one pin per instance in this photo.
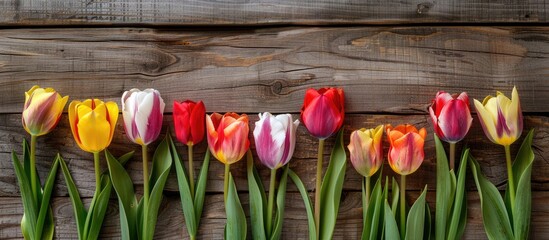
(424, 7)
(277, 87)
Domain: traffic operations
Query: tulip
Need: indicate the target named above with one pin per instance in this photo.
(451, 116)
(188, 118)
(92, 123)
(42, 110)
(500, 117)
(227, 139)
(451, 119)
(41, 113)
(406, 149)
(142, 112)
(323, 111)
(366, 153)
(366, 150)
(322, 114)
(275, 138)
(405, 156)
(501, 120)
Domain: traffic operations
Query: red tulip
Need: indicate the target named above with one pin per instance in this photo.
(189, 120)
(451, 116)
(323, 111)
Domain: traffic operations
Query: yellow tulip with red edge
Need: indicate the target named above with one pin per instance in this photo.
(42, 110)
(366, 150)
(501, 117)
(92, 123)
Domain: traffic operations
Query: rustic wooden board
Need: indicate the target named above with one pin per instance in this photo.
(491, 156)
(382, 69)
(268, 12)
(171, 221)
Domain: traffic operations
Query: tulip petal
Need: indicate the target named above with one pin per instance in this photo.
(93, 128)
(454, 121)
(486, 120)
(112, 114)
(197, 122)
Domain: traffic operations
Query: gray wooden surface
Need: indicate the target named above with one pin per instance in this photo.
(389, 72)
(268, 12)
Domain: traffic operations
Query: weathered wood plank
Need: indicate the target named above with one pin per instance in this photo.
(382, 69)
(171, 222)
(262, 12)
(490, 156)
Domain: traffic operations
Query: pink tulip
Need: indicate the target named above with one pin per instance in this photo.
(323, 111)
(275, 138)
(451, 116)
(142, 112)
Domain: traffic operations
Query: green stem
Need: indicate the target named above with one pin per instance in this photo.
(367, 191)
(318, 185)
(402, 206)
(452, 155)
(146, 190)
(96, 162)
(511, 182)
(271, 201)
(226, 182)
(33, 167)
(191, 169)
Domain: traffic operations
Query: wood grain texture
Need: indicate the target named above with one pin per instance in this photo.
(171, 221)
(491, 156)
(382, 69)
(268, 12)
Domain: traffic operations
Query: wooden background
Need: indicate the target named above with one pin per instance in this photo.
(390, 57)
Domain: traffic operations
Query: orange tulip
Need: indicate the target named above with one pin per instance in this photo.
(228, 136)
(406, 151)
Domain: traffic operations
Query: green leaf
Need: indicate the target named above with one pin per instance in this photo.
(236, 220)
(99, 207)
(79, 211)
(307, 201)
(280, 204)
(332, 186)
(427, 225)
(162, 162)
(458, 215)
(494, 214)
(185, 195)
(27, 164)
(444, 191)
(395, 189)
(522, 170)
(45, 210)
(127, 201)
(201, 187)
(257, 201)
(416, 218)
(373, 211)
(28, 222)
(391, 228)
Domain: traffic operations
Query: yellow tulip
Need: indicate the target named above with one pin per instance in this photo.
(501, 117)
(366, 150)
(42, 110)
(92, 123)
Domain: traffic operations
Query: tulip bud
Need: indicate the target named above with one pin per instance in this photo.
(189, 120)
(42, 110)
(228, 136)
(366, 150)
(275, 138)
(143, 113)
(451, 116)
(323, 111)
(501, 117)
(92, 123)
(406, 148)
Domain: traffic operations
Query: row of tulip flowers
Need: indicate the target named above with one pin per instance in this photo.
(93, 123)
